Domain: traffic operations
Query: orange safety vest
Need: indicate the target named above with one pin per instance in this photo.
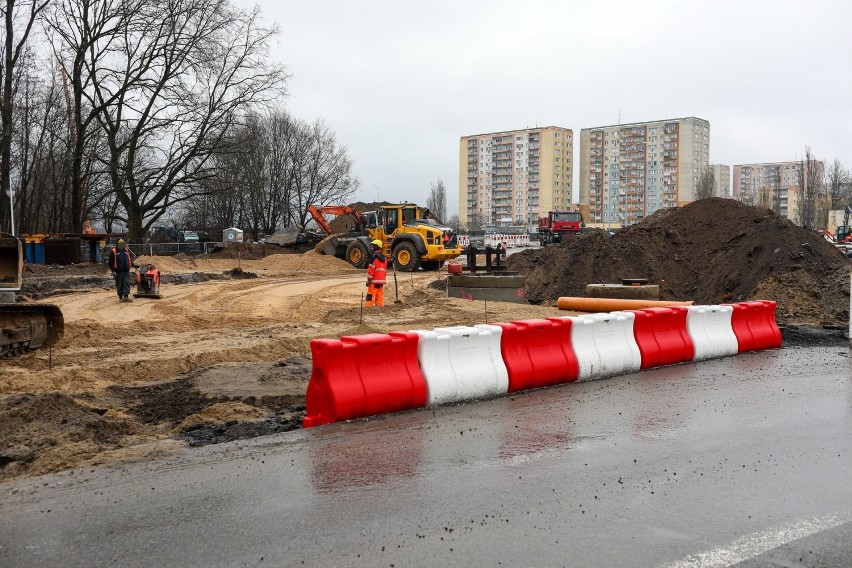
(378, 269)
(116, 252)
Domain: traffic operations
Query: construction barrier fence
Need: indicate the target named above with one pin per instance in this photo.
(507, 241)
(366, 375)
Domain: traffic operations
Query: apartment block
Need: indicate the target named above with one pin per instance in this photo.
(628, 171)
(774, 185)
(513, 177)
(721, 180)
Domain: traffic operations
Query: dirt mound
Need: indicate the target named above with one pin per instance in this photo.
(83, 269)
(248, 251)
(309, 262)
(343, 223)
(710, 251)
(239, 273)
(38, 429)
(221, 412)
(172, 264)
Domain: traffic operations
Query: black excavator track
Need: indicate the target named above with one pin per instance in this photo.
(27, 327)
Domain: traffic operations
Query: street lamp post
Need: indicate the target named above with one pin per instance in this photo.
(11, 193)
(377, 191)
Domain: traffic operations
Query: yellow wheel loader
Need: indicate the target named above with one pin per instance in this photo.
(411, 239)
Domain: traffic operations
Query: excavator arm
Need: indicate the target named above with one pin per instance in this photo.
(318, 214)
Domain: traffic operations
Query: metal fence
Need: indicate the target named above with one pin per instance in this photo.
(155, 249)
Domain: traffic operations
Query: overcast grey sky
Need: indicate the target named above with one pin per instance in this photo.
(400, 82)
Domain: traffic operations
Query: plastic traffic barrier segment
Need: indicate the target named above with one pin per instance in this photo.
(538, 353)
(662, 336)
(755, 326)
(711, 332)
(462, 363)
(604, 345)
(363, 375)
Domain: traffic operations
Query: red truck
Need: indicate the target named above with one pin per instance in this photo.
(558, 225)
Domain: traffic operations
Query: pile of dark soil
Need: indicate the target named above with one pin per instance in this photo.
(39, 430)
(45, 285)
(247, 251)
(219, 432)
(240, 274)
(343, 223)
(710, 251)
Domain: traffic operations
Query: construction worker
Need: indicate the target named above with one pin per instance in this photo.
(120, 262)
(376, 273)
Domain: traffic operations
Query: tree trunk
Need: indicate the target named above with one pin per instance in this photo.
(135, 230)
(6, 119)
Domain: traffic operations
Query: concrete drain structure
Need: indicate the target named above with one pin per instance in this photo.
(629, 289)
(496, 287)
(489, 282)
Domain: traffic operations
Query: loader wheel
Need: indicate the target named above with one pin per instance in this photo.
(356, 254)
(431, 264)
(406, 258)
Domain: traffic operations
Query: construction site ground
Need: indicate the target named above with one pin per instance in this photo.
(223, 355)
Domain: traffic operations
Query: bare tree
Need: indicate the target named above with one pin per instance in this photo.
(810, 178)
(706, 184)
(324, 173)
(271, 168)
(82, 33)
(19, 17)
(764, 197)
(775, 189)
(453, 223)
(474, 221)
(837, 182)
(437, 200)
(165, 80)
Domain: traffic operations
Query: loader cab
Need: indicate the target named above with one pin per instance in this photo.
(370, 219)
(396, 217)
(390, 220)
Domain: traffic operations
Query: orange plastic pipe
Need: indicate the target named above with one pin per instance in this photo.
(612, 304)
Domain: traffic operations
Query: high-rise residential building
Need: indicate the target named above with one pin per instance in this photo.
(628, 171)
(513, 177)
(774, 185)
(721, 180)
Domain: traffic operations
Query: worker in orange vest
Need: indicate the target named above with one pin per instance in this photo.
(376, 274)
(120, 263)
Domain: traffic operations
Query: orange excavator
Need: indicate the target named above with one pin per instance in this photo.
(318, 214)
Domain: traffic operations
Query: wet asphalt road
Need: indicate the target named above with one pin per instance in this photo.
(742, 460)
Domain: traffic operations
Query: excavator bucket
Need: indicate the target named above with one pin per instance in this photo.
(23, 326)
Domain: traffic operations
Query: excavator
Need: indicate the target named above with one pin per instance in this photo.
(26, 326)
(411, 239)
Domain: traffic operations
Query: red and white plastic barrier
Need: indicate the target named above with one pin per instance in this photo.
(462, 363)
(538, 353)
(604, 345)
(754, 325)
(373, 374)
(711, 332)
(662, 336)
(363, 375)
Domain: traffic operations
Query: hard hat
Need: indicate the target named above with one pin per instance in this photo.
(377, 243)
(121, 241)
